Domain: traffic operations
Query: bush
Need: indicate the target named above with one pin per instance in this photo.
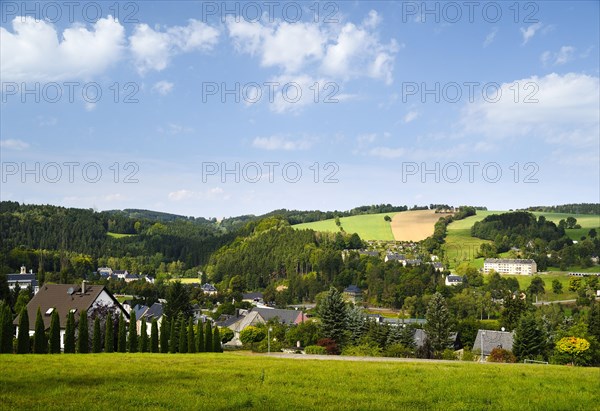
(449, 354)
(501, 355)
(315, 349)
(330, 346)
(368, 349)
(398, 351)
(468, 355)
(263, 346)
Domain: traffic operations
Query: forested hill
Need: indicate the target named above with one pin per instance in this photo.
(581, 208)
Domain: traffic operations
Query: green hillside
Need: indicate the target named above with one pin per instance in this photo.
(368, 226)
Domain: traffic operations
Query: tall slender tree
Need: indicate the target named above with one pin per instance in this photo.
(143, 337)
(109, 339)
(208, 340)
(23, 337)
(97, 338)
(334, 316)
(122, 335)
(55, 333)
(132, 340)
(438, 323)
(7, 331)
(83, 340)
(200, 336)
(173, 336)
(183, 338)
(217, 341)
(40, 342)
(154, 336)
(191, 341)
(165, 327)
(70, 334)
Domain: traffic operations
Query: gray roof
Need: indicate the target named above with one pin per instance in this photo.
(352, 289)
(208, 287)
(493, 339)
(284, 316)
(509, 261)
(395, 256)
(369, 253)
(421, 335)
(139, 310)
(454, 279)
(155, 311)
(22, 279)
(252, 296)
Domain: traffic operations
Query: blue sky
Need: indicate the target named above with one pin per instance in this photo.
(210, 109)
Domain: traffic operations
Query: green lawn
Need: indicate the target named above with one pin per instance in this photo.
(368, 227)
(563, 277)
(233, 381)
(117, 235)
(459, 246)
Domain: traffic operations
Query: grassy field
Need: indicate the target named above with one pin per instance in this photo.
(117, 235)
(563, 277)
(233, 381)
(368, 227)
(460, 246)
(185, 280)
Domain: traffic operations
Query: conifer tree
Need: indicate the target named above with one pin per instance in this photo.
(208, 340)
(97, 338)
(173, 336)
(40, 343)
(2, 332)
(154, 336)
(83, 341)
(165, 328)
(183, 338)
(109, 339)
(143, 337)
(132, 340)
(7, 331)
(217, 341)
(438, 323)
(23, 337)
(55, 333)
(200, 336)
(191, 342)
(334, 316)
(70, 334)
(530, 338)
(122, 336)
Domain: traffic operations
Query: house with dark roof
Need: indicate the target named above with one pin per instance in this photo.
(209, 289)
(394, 257)
(131, 277)
(352, 294)
(155, 311)
(453, 280)
(65, 298)
(487, 340)
(253, 298)
(259, 315)
(23, 280)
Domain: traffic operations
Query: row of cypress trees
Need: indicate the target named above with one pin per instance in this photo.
(177, 336)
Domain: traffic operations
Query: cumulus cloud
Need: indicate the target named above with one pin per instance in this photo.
(562, 56)
(281, 143)
(35, 51)
(163, 87)
(153, 49)
(12, 144)
(529, 32)
(348, 52)
(562, 109)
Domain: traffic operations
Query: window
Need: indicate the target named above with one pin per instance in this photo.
(50, 311)
(73, 310)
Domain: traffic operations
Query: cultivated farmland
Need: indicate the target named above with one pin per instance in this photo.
(414, 225)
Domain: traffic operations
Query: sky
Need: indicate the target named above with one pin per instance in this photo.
(218, 109)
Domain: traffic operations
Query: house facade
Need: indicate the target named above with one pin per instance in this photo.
(510, 266)
(23, 280)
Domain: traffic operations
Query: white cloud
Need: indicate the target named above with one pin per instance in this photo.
(411, 116)
(215, 193)
(35, 51)
(282, 143)
(153, 49)
(489, 39)
(313, 49)
(163, 87)
(566, 111)
(564, 55)
(12, 144)
(529, 32)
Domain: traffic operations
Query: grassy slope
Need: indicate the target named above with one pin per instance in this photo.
(117, 235)
(234, 381)
(368, 227)
(460, 246)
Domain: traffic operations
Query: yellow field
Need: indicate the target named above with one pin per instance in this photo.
(414, 225)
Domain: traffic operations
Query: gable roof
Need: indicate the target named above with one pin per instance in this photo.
(56, 296)
(208, 287)
(284, 316)
(493, 339)
(155, 311)
(352, 289)
(252, 296)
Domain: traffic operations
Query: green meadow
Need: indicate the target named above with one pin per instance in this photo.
(368, 226)
(233, 381)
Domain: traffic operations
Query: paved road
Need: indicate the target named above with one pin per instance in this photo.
(348, 358)
(554, 302)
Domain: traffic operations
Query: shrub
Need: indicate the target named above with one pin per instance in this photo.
(501, 355)
(449, 354)
(398, 351)
(468, 355)
(263, 346)
(368, 349)
(330, 346)
(315, 349)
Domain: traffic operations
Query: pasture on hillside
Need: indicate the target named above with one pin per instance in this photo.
(367, 226)
(232, 381)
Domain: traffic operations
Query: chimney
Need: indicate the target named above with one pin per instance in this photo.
(23, 270)
(30, 271)
(83, 287)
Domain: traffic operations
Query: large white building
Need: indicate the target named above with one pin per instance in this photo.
(510, 266)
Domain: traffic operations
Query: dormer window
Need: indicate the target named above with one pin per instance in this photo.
(50, 311)
(73, 310)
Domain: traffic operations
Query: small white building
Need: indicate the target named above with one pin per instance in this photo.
(23, 280)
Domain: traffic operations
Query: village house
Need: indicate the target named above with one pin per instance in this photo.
(23, 280)
(209, 289)
(510, 266)
(147, 314)
(352, 294)
(453, 280)
(65, 298)
(487, 340)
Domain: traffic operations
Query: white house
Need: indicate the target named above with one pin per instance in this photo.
(23, 280)
(510, 266)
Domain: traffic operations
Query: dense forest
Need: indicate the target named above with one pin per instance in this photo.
(581, 208)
